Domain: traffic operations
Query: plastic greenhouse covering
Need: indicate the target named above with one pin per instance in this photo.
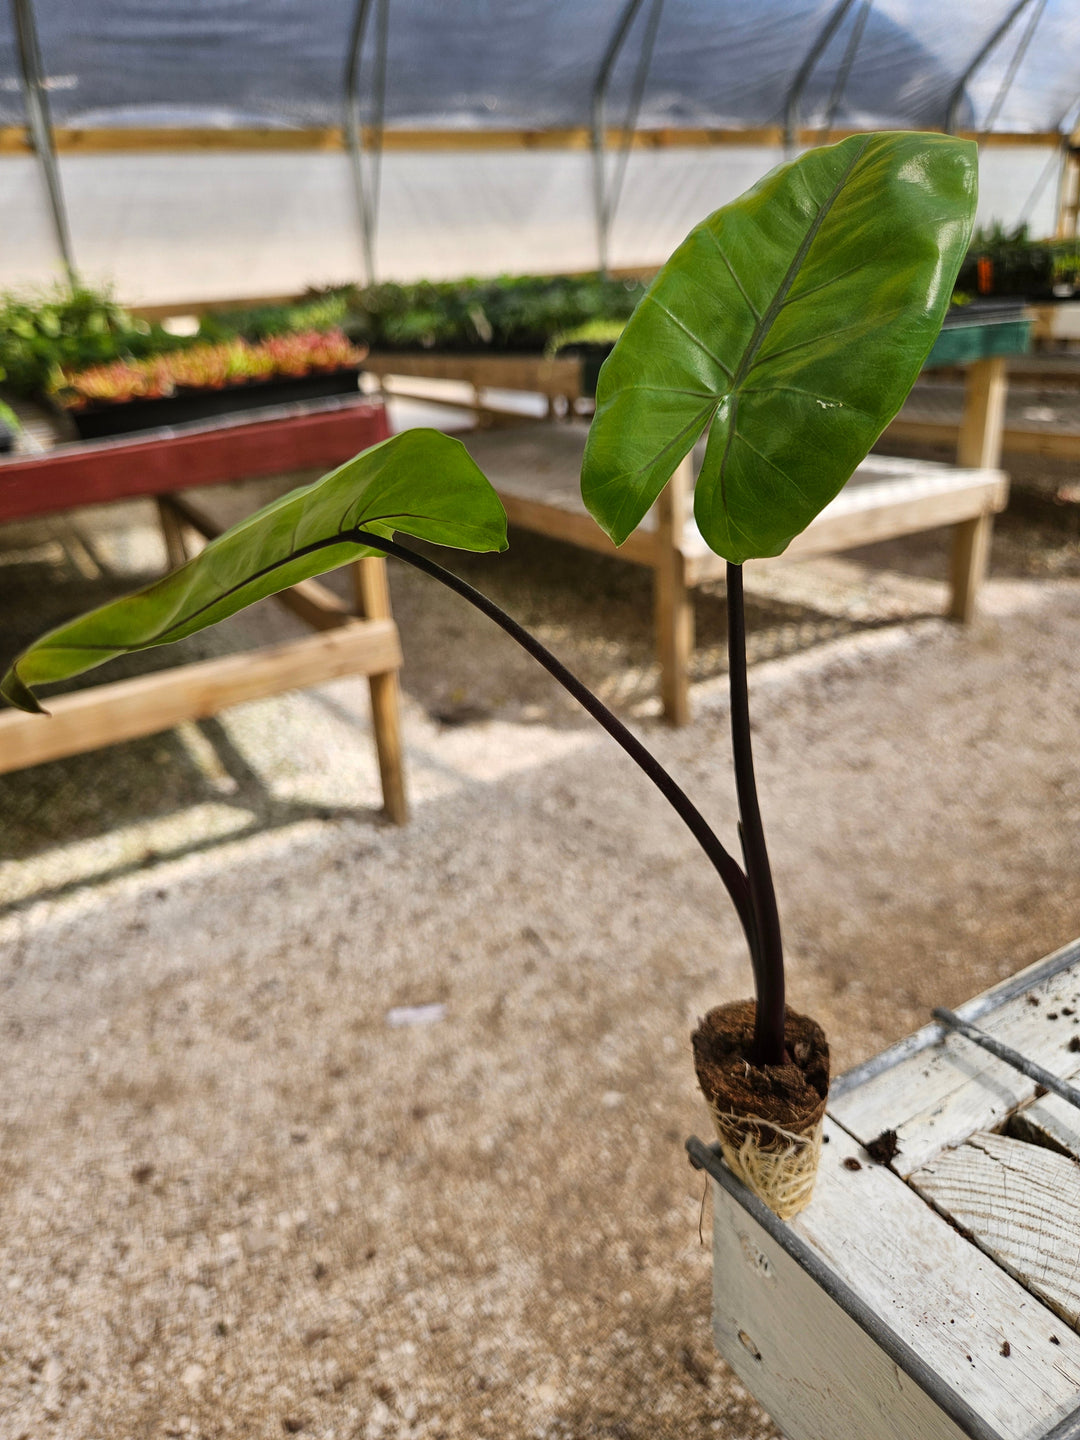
(194, 219)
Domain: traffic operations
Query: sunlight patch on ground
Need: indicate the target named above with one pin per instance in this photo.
(82, 861)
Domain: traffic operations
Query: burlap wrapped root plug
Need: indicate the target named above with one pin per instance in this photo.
(769, 1119)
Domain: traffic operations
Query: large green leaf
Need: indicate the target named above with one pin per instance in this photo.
(421, 482)
(794, 322)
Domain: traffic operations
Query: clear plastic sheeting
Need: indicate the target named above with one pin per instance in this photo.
(513, 64)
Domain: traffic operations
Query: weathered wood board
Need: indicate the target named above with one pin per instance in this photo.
(942, 1093)
(822, 1377)
(1052, 1122)
(1021, 1205)
(940, 1295)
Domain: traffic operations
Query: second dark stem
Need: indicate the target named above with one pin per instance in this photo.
(735, 882)
(767, 946)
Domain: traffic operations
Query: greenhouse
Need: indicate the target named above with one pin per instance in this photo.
(540, 566)
(213, 151)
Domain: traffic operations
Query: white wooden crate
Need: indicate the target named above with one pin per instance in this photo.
(937, 1296)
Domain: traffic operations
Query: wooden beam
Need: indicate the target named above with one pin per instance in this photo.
(128, 709)
(98, 141)
(534, 373)
(1015, 439)
(968, 564)
(576, 527)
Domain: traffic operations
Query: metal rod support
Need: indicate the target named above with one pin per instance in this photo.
(367, 185)
(36, 100)
(844, 71)
(605, 195)
(806, 69)
(1027, 1067)
(1014, 65)
(957, 93)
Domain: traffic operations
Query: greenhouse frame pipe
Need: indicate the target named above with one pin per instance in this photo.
(35, 98)
(367, 196)
(607, 197)
(846, 65)
(1014, 64)
(806, 69)
(957, 93)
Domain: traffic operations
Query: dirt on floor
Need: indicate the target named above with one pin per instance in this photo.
(310, 1125)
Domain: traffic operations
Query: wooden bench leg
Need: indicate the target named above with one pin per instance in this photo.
(373, 602)
(983, 423)
(970, 558)
(674, 604)
(172, 532)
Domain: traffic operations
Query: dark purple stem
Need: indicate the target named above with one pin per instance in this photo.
(735, 882)
(766, 944)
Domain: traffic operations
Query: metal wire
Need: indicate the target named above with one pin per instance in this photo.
(1030, 1068)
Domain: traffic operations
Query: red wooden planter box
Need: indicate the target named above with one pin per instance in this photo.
(298, 437)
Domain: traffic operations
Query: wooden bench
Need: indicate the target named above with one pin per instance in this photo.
(937, 1295)
(352, 640)
(536, 471)
(556, 379)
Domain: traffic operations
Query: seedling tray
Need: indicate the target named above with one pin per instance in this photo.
(96, 422)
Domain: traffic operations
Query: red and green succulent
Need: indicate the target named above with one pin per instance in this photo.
(207, 367)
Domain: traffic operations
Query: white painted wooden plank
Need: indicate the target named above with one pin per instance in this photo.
(817, 1373)
(1021, 1204)
(935, 1290)
(939, 1097)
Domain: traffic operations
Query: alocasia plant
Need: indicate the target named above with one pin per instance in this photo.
(788, 328)
(786, 332)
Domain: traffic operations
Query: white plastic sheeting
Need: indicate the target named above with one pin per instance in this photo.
(515, 63)
(187, 227)
(163, 226)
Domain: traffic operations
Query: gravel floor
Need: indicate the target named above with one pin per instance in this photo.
(315, 1126)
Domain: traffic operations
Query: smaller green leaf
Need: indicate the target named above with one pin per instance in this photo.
(421, 483)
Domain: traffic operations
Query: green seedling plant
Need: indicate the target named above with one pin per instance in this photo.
(784, 334)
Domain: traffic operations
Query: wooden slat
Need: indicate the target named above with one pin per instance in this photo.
(1015, 439)
(576, 528)
(126, 709)
(14, 139)
(928, 497)
(1021, 1205)
(823, 1376)
(532, 373)
(938, 1097)
(295, 438)
(1052, 1122)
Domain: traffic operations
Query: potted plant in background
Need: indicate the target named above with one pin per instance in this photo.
(787, 329)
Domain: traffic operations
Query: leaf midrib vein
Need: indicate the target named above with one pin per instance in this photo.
(766, 322)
